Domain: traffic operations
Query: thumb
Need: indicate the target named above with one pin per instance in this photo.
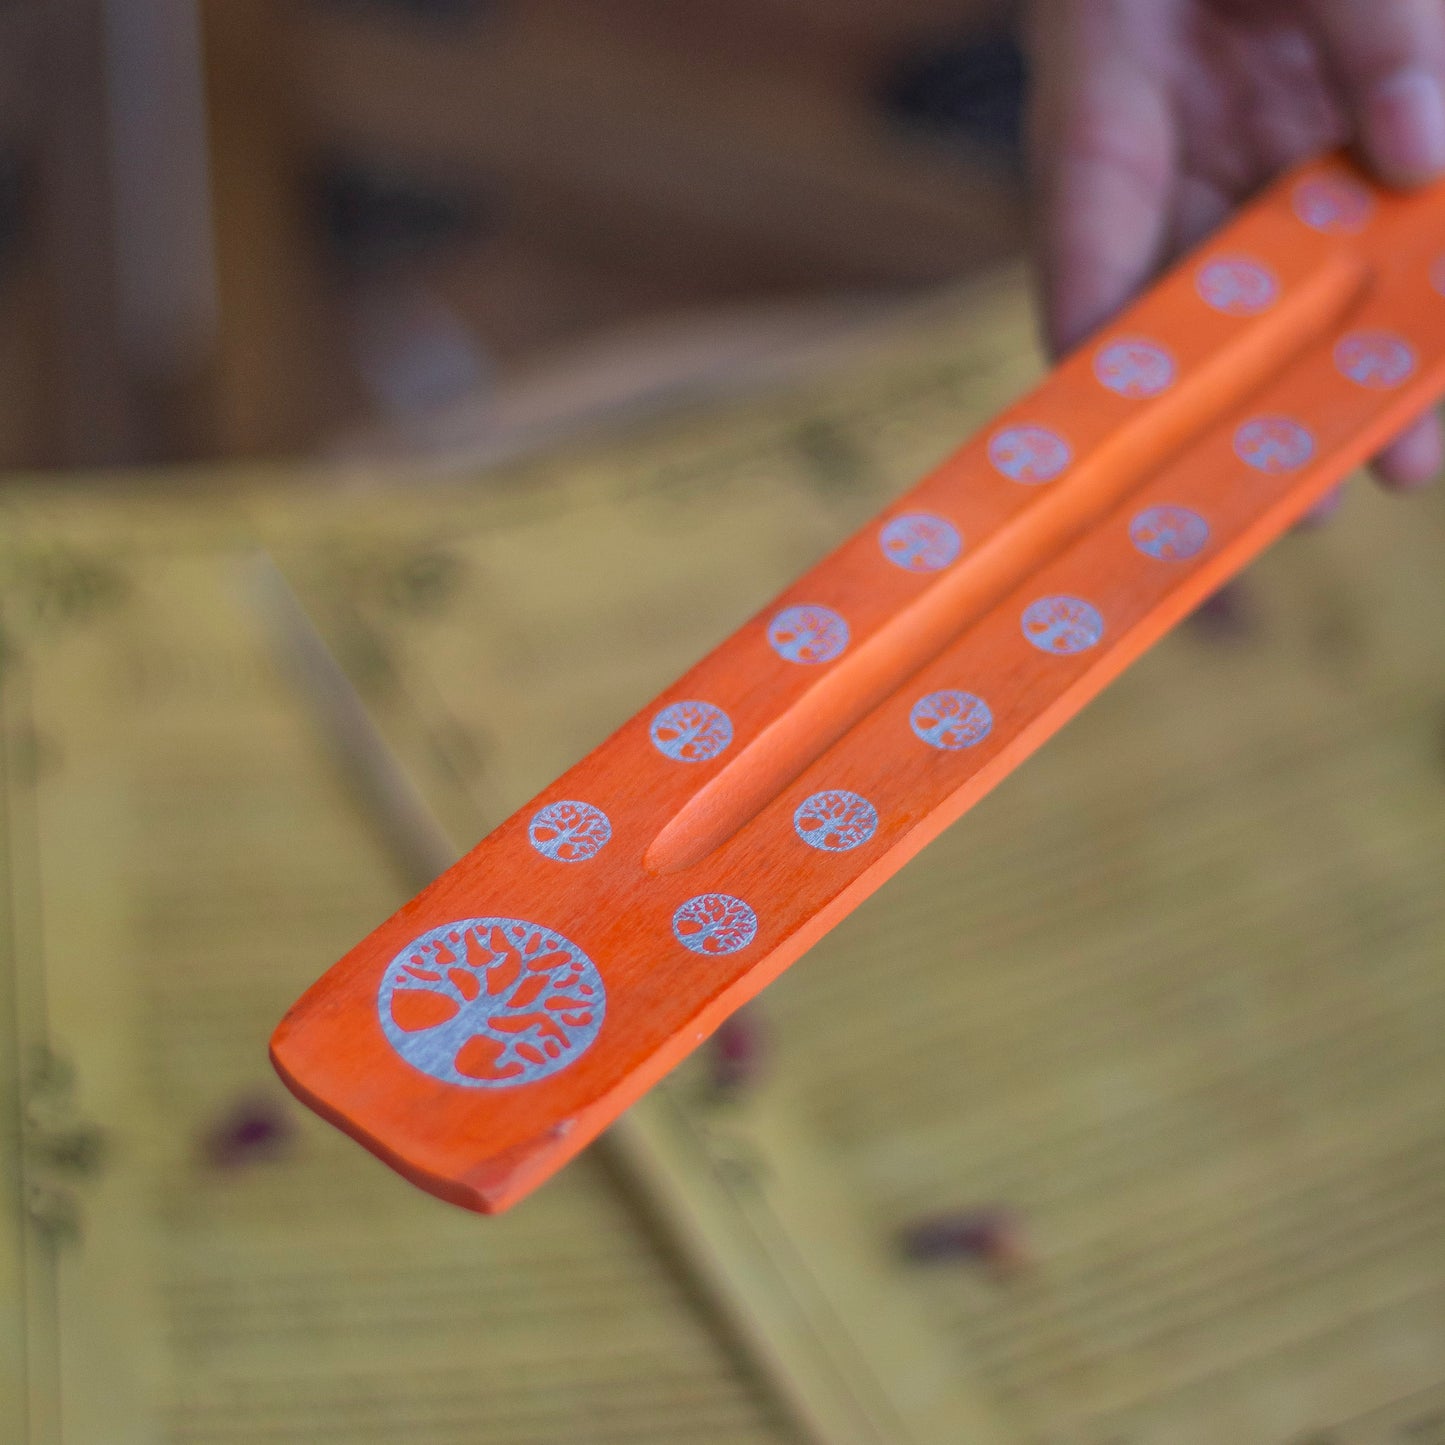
(1388, 56)
(1102, 149)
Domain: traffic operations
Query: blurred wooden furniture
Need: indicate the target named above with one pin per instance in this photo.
(248, 224)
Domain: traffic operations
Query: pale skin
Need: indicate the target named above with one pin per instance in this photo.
(1151, 120)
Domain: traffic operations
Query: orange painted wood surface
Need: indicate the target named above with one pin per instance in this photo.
(495, 1024)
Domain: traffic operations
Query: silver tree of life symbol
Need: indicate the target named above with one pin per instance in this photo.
(1029, 454)
(569, 832)
(835, 821)
(1062, 625)
(489, 1003)
(1273, 444)
(920, 542)
(1332, 203)
(1134, 367)
(808, 633)
(1172, 534)
(951, 720)
(1237, 286)
(714, 923)
(1377, 359)
(691, 732)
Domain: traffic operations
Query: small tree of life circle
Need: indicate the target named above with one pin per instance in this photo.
(1273, 444)
(1029, 454)
(1172, 534)
(714, 923)
(1134, 368)
(691, 732)
(1237, 286)
(1377, 359)
(489, 1003)
(951, 720)
(569, 832)
(835, 821)
(1062, 625)
(808, 633)
(920, 543)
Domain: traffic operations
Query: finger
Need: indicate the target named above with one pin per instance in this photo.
(1322, 510)
(1200, 207)
(1103, 156)
(1227, 615)
(1415, 458)
(1388, 56)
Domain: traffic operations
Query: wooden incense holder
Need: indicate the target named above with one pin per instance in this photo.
(495, 1024)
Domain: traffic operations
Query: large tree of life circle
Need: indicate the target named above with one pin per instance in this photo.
(491, 1002)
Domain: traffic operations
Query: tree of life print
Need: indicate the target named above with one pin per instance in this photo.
(1375, 359)
(1273, 444)
(1029, 454)
(569, 832)
(1332, 203)
(691, 732)
(491, 1002)
(714, 923)
(920, 543)
(1134, 368)
(808, 633)
(1062, 625)
(1173, 534)
(1237, 286)
(951, 720)
(835, 821)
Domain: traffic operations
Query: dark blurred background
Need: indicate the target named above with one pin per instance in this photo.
(234, 228)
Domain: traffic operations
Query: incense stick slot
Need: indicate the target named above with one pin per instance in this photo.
(882, 663)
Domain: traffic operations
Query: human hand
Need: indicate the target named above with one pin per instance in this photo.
(1151, 120)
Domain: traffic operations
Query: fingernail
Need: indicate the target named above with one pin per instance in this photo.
(1405, 126)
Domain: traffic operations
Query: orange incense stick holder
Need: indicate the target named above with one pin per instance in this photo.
(501, 1019)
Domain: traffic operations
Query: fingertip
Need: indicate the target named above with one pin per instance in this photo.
(1415, 458)
(1388, 57)
(1105, 164)
(1322, 511)
(1403, 127)
(1108, 240)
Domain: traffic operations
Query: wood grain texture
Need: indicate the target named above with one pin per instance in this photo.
(467, 1042)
